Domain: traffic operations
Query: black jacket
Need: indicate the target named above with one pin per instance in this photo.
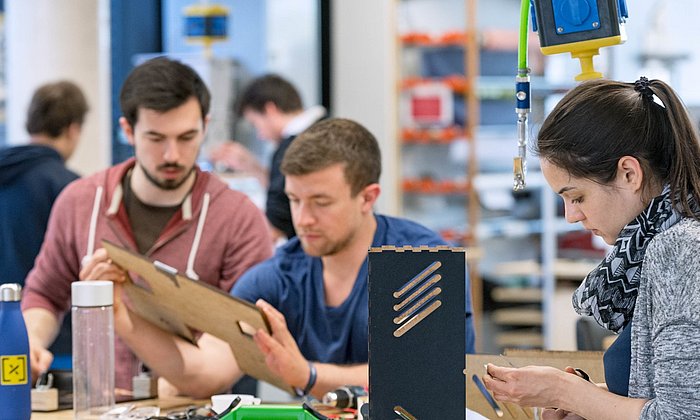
(277, 205)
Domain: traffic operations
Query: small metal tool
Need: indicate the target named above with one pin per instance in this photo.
(482, 388)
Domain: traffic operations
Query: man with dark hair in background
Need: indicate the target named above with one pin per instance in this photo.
(32, 175)
(158, 203)
(273, 106)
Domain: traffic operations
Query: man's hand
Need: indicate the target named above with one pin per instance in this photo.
(101, 267)
(39, 359)
(42, 327)
(235, 156)
(281, 352)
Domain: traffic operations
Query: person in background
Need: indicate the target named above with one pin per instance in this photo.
(624, 158)
(314, 290)
(158, 204)
(32, 175)
(273, 106)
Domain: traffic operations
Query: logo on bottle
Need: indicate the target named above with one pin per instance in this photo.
(423, 299)
(14, 369)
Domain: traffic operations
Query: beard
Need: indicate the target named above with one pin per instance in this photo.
(167, 184)
(327, 248)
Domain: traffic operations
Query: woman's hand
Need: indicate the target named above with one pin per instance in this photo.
(530, 386)
(563, 394)
(559, 414)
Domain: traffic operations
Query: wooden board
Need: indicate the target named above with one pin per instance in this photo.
(179, 304)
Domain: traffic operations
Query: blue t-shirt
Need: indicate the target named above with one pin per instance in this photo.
(617, 360)
(292, 282)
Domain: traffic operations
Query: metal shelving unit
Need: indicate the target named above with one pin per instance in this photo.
(448, 172)
(440, 194)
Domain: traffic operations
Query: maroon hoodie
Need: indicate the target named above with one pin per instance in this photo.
(234, 237)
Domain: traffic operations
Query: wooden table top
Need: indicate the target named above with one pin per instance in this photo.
(169, 403)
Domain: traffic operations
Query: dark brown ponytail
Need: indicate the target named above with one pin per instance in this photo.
(684, 174)
(600, 121)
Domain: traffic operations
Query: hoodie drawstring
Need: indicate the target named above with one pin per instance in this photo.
(197, 238)
(93, 226)
(190, 272)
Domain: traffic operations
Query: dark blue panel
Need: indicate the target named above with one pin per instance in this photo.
(135, 29)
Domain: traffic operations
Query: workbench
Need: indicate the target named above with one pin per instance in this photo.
(166, 404)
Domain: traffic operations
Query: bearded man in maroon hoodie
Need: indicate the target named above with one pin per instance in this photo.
(158, 203)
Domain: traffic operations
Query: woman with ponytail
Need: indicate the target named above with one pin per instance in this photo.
(625, 158)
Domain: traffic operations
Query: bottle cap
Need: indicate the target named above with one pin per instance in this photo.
(92, 293)
(10, 292)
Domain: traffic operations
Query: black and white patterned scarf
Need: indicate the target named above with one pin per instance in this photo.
(609, 292)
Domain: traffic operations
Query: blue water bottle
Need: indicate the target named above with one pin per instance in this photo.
(15, 381)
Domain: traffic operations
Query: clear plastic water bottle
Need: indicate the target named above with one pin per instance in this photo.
(93, 348)
(15, 382)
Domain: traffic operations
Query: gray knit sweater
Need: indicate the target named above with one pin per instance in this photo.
(665, 364)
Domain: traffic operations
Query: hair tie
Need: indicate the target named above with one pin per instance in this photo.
(642, 86)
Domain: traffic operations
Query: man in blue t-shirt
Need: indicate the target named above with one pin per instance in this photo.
(314, 290)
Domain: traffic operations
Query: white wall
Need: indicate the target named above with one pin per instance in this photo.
(364, 79)
(293, 48)
(247, 32)
(677, 33)
(49, 40)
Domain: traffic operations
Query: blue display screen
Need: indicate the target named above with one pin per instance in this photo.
(203, 26)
